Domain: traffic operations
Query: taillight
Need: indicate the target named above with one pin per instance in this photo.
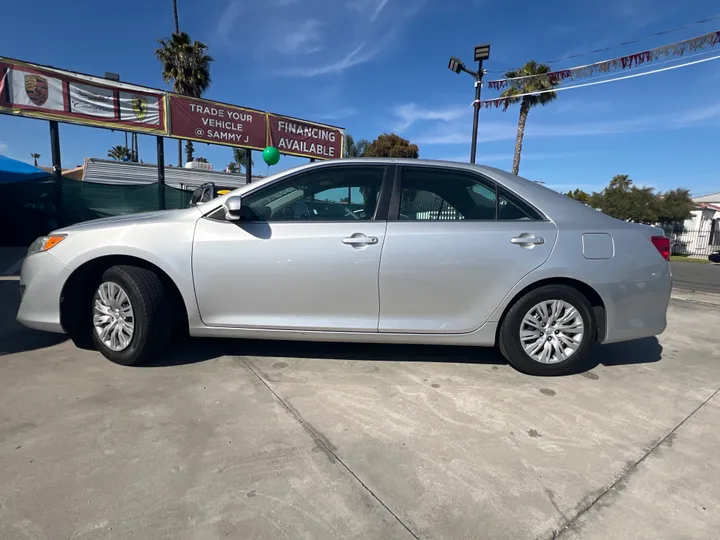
(662, 243)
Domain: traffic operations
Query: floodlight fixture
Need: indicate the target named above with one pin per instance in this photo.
(456, 65)
(482, 52)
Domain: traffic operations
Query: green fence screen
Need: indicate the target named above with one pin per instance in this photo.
(28, 209)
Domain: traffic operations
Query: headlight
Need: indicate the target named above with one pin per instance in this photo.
(45, 242)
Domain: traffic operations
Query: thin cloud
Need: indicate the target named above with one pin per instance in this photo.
(337, 114)
(359, 55)
(304, 39)
(373, 7)
(3, 149)
(410, 113)
(497, 131)
(226, 23)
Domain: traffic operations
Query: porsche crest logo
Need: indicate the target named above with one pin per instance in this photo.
(36, 88)
(139, 106)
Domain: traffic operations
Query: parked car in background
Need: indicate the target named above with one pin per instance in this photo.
(207, 192)
(441, 253)
(714, 257)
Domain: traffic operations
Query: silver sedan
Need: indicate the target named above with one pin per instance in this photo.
(369, 250)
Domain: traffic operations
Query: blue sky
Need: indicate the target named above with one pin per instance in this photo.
(375, 66)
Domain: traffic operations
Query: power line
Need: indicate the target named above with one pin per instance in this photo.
(610, 47)
(498, 101)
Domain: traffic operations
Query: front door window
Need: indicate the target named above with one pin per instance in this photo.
(341, 193)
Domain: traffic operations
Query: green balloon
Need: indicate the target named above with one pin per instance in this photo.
(271, 155)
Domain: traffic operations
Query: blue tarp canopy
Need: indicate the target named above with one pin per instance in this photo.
(12, 170)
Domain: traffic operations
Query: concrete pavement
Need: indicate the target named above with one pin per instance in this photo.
(246, 440)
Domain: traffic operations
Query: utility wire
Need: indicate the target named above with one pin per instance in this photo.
(609, 47)
(503, 99)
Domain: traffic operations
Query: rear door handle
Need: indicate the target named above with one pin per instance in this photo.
(360, 240)
(527, 240)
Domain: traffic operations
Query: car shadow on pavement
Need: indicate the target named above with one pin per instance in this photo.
(200, 350)
(191, 351)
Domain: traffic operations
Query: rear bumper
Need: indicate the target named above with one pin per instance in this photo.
(636, 310)
(41, 282)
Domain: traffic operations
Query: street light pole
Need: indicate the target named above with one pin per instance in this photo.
(482, 52)
(476, 112)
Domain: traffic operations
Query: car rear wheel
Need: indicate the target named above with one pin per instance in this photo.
(130, 315)
(549, 331)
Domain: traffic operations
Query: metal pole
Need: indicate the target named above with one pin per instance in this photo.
(161, 172)
(57, 170)
(248, 167)
(476, 111)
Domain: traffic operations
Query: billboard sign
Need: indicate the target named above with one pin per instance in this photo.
(49, 93)
(212, 122)
(303, 138)
(53, 94)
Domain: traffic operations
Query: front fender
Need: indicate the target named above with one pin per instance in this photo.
(165, 245)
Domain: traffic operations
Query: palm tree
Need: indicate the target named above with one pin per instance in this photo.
(355, 149)
(186, 64)
(35, 158)
(528, 86)
(242, 157)
(175, 15)
(119, 153)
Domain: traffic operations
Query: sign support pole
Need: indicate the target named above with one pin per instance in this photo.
(57, 169)
(161, 172)
(248, 167)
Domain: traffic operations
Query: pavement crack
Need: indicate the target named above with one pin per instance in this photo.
(322, 442)
(629, 471)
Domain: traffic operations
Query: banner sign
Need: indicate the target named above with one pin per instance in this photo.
(211, 122)
(49, 93)
(53, 94)
(306, 139)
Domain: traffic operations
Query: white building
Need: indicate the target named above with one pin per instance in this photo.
(701, 234)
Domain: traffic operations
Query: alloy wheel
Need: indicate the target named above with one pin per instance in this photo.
(113, 316)
(551, 331)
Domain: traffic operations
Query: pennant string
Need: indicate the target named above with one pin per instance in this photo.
(623, 62)
(505, 102)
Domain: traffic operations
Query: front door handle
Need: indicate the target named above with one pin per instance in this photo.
(527, 240)
(360, 240)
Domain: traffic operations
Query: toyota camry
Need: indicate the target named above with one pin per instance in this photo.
(359, 250)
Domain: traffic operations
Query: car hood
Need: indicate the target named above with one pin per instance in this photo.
(131, 219)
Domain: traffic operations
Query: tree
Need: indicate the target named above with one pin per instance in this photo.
(355, 149)
(201, 160)
(675, 206)
(527, 102)
(391, 145)
(35, 158)
(189, 150)
(119, 153)
(185, 64)
(232, 167)
(578, 195)
(242, 156)
(175, 16)
(621, 199)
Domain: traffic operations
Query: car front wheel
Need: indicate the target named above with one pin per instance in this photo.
(549, 331)
(130, 315)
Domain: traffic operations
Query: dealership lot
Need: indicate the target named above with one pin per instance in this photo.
(294, 440)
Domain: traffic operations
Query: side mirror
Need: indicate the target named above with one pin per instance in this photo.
(232, 208)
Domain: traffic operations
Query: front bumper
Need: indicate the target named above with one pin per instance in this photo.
(41, 282)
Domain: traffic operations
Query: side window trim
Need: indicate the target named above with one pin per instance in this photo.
(394, 211)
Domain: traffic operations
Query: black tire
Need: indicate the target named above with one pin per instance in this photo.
(152, 313)
(509, 335)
